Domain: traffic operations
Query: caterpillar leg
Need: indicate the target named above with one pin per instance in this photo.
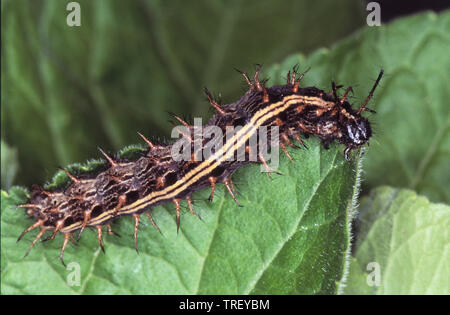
(41, 232)
(191, 208)
(299, 140)
(136, 226)
(66, 240)
(177, 205)
(149, 216)
(230, 187)
(283, 147)
(268, 170)
(110, 231)
(86, 218)
(212, 181)
(28, 229)
(99, 237)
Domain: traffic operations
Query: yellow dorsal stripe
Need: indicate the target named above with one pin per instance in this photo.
(203, 169)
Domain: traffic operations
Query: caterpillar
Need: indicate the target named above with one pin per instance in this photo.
(133, 187)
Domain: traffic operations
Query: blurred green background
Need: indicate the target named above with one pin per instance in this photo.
(67, 90)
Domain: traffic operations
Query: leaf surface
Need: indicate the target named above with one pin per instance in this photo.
(290, 236)
(403, 246)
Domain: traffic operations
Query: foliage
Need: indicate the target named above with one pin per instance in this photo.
(292, 235)
(407, 237)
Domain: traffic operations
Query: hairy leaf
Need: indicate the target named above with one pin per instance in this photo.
(402, 247)
(290, 236)
(411, 143)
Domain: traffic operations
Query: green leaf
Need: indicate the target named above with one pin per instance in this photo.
(290, 236)
(410, 147)
(132, 61)
(412, 144)
(408, 239)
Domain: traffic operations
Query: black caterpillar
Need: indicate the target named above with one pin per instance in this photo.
(134, 187)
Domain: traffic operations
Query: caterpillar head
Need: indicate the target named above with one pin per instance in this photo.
(357, 132)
